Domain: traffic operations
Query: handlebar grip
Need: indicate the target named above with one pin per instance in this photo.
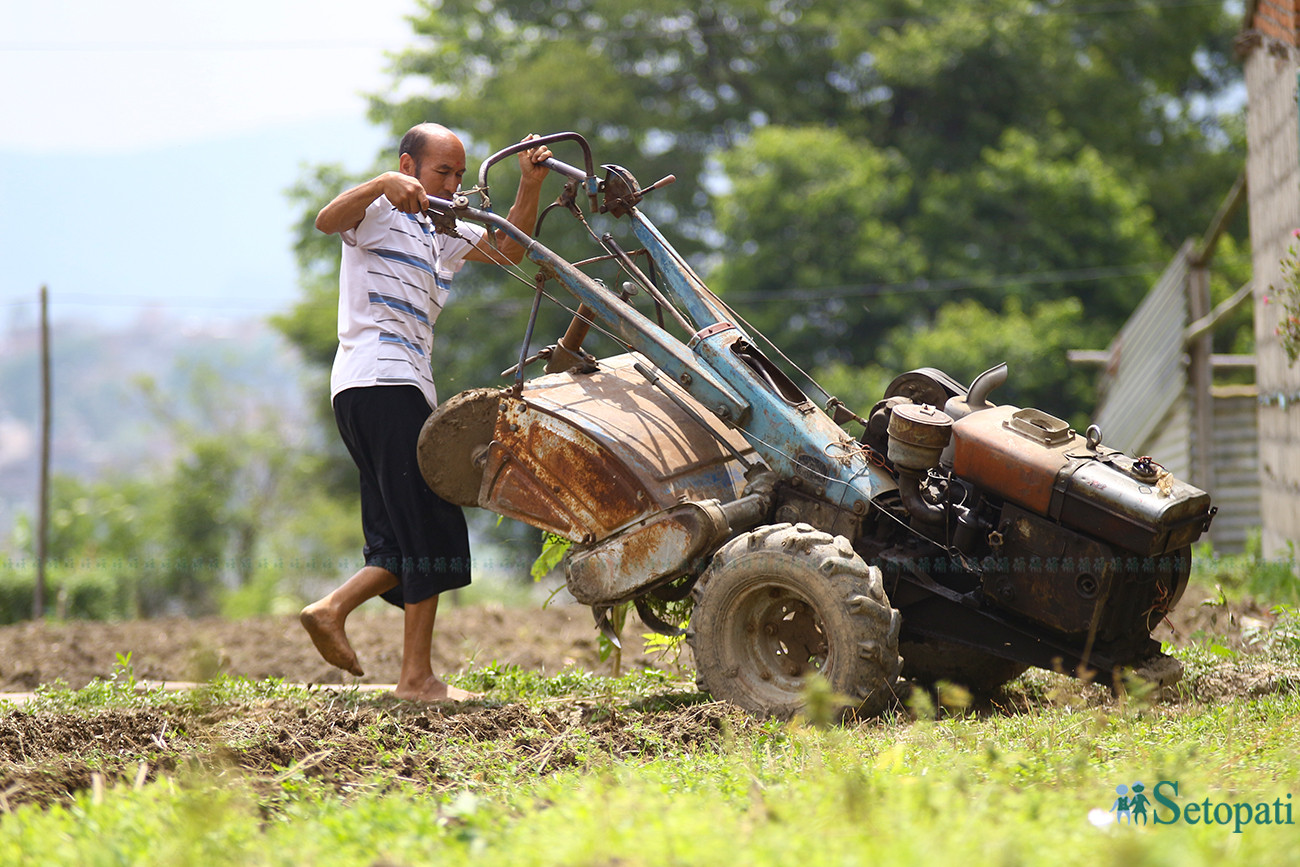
(565, 169)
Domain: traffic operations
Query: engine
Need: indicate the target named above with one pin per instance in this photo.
(1009, 510)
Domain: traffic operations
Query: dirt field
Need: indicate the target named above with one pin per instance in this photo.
(355, 741)
(371, 740)
(536, 639)
(182, 649)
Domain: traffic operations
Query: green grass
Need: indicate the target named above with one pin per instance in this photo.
(990, 788)
(994, 790)
(605, 771)
(1249, 574)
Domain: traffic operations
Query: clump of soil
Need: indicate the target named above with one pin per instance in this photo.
(1200, 613)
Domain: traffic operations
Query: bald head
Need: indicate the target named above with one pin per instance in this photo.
(435, 155)
(421, 137)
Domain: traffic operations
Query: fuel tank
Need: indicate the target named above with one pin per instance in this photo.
(1034, 460)
(581, 455)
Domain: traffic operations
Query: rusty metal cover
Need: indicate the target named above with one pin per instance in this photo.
(452, 442)
(1145, 516)
(582, 455)
(991, 454)
(1033, 460)
(646, 553)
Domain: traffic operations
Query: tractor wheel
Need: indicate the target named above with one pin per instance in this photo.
(782, 602)
(981, 673)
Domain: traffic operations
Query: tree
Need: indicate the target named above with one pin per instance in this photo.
(972, 338)
(656, 86)
(936, 87)
(242, 473)
(821, 239)
(100, 550)
(1031, 219)
(1034, 208)
(864, 163)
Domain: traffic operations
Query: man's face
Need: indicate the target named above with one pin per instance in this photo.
(441, 167)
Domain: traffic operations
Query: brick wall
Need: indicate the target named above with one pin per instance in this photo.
(1273, 174)
(1277, 19)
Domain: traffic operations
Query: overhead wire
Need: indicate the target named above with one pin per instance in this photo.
(785, 296)
(189, 46)
(512, 304)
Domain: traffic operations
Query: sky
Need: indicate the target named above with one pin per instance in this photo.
(146, 146)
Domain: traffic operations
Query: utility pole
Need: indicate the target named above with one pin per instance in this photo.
(43, 518)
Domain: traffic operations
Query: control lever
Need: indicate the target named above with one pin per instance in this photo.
(659, 184)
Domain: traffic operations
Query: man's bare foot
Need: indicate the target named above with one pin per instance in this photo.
(326, 631)
(433, 689)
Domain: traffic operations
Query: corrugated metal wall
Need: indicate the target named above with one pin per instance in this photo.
(1171, 443)
(1236, 468)
(1150, 376)
(1146, 408)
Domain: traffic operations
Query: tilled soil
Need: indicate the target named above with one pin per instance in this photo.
(183, 649)
(350, 740)
(349, 744)
(356, 741)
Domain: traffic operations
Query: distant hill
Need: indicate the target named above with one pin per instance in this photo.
(103, 420)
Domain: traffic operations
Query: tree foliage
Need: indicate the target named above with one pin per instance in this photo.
(971, 338)
(846, 171)
(240, 513)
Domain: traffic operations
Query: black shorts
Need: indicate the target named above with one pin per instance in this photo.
(409, 530)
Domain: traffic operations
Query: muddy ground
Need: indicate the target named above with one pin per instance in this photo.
(357, 742)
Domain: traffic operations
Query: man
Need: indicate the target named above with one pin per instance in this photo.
(394, 279)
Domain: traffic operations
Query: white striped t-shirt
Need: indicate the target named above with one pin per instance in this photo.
(394, 280)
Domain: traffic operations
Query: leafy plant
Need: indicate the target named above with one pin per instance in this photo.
(1288, 326)
(1249, 573)
(553, 550)
(676, 613)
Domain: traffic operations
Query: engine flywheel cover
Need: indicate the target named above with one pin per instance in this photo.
(453, 437)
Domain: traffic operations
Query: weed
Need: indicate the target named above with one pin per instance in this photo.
(508, 682)
(1249, 573)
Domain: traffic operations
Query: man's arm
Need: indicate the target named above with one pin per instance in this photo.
(349, 206)
(523, 213)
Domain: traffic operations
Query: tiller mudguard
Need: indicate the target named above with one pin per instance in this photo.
(639, 476)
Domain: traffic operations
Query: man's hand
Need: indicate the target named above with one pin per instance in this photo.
(530, 162)
(523, 214)
(348, 208)
(405, 192)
